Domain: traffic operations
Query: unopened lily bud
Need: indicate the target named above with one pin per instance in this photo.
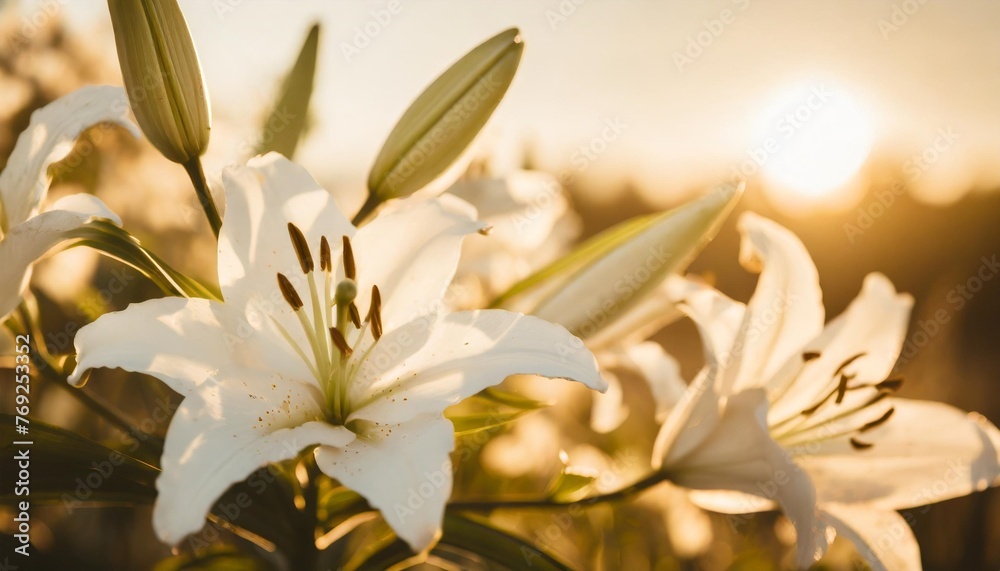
(162, 76)
(613, 283)
(445, 118)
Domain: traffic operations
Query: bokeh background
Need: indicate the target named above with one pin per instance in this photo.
(871, 129)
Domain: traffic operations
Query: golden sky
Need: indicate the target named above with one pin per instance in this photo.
(674, 94)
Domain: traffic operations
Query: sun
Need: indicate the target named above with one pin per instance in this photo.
(819, 138)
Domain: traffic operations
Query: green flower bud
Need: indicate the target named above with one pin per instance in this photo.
(444, 119)
(162, 76)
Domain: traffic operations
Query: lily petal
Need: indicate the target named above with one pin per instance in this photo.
(786, 307)
(254, 246)
(183, 342)
(222, 433)
(873, 326)
(403, 470)
(33, 238)
(662, 373)
(882, 537)
(640, 321)
(927, 452)
(48, 139)
(740, 455)
(523, 206)
(609, 410)
(431, 367)
(411, 253)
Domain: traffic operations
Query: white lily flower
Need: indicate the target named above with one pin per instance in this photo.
(269, 373)
(788, 410)
(26, 234)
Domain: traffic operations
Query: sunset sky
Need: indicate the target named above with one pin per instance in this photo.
(688, 84)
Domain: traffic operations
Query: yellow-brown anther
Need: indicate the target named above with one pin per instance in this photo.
(375, 313)
(859, 445)
(890, 384)
(338, 340)
(324, 255)
(878, 421)
(301, 248)
(349, 269)
(355, 315)
(289, 293)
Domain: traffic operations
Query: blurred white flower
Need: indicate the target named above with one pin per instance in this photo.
(530, 224)
(266, 374)
(26, 234)
(793, 412)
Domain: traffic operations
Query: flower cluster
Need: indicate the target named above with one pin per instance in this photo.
(342, 349)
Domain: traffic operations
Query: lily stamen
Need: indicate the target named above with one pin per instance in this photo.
(859, 445)
(349, 269)
(375, 313)
(301, 248)
(288, 292)
(325, 263)
(341, 343)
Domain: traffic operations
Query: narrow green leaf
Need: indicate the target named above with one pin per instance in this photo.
(68, 468)
(479, 540)
(288, 120)
(445, 118)
(478, 421)
(572, 481)
(513, 400)
(215, 558)
(119, 244)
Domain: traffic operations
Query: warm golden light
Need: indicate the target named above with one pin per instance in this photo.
(821, 137)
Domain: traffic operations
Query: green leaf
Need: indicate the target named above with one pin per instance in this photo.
(471, 423)
(215, 558)
(571, 482)
(288, 120)
(480, 540)
(494, 395)
(445, 118)
(66, 467)
(117, 243)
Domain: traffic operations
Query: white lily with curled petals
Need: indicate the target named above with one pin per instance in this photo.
(26, 234)
(813, 418)
(353, 354)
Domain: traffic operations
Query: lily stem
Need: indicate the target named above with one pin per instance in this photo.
(548, 503)
(197, 175)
